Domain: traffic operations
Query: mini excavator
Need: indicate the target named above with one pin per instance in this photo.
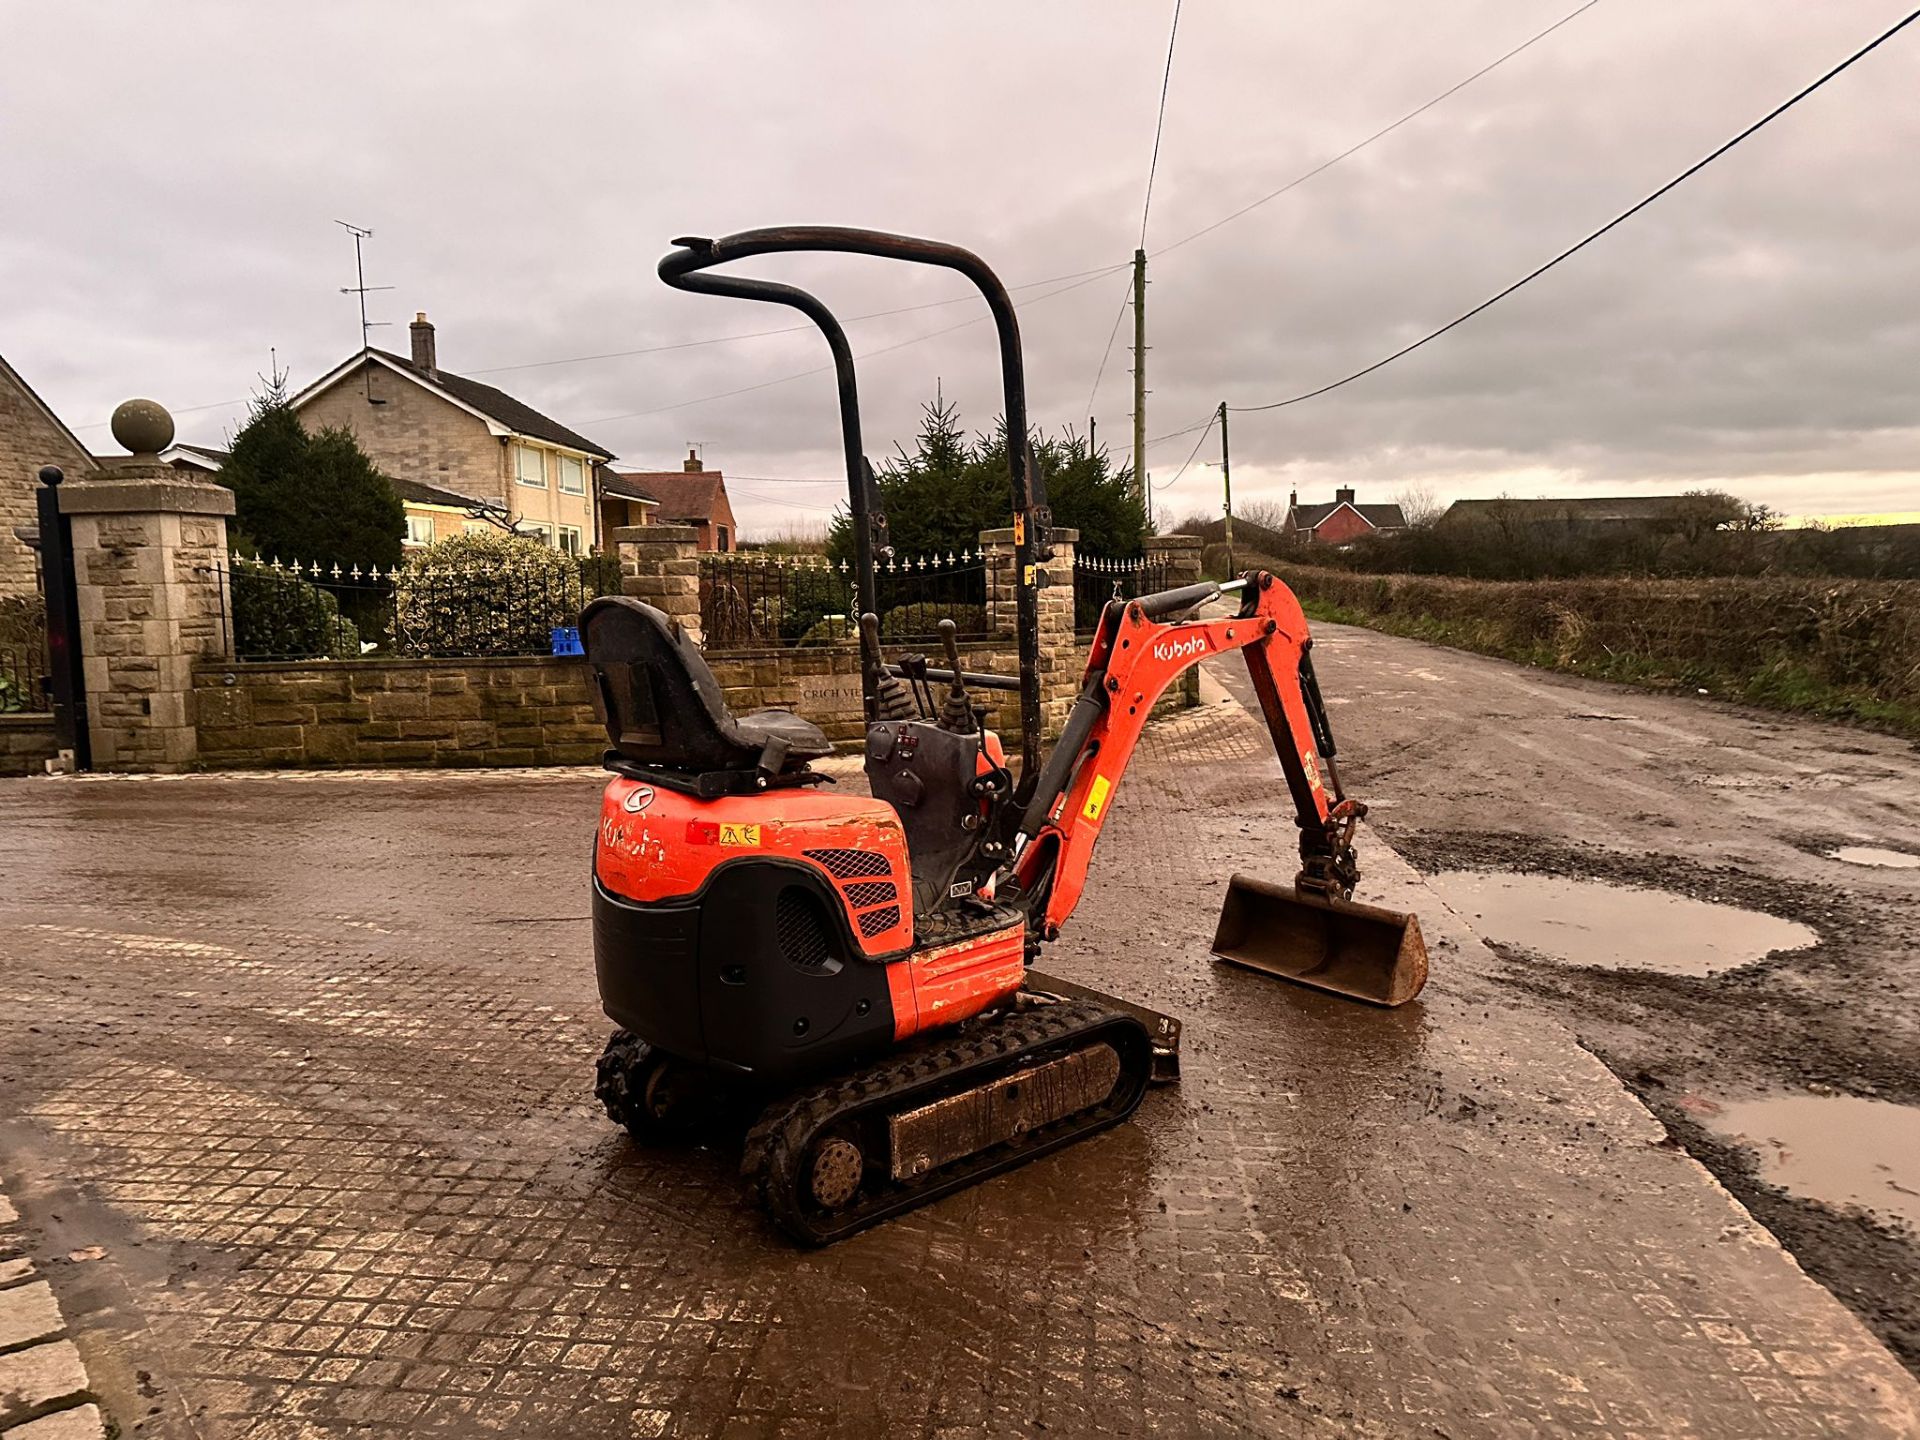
(851, 976)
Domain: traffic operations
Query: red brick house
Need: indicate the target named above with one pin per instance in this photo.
(692, 495)
(1340, 522)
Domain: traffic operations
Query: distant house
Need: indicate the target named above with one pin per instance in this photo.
(1341, 521)
(624, 500)
(1607, 512)
(463, 455)
(198, 460)
(31, 436)
(692, 495)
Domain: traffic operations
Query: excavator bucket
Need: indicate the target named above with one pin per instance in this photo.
(1359, 951)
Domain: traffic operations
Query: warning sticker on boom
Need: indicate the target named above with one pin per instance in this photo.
(1096, 798)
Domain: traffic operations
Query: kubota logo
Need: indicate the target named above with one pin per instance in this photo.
(637, 799)
(1179, 649)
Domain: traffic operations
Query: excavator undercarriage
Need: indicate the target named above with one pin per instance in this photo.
(846, 980)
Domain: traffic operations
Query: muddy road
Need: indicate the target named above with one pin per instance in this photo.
(1660, 871)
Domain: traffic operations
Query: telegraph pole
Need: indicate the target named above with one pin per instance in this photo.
(1140, 381)
(1226, 481)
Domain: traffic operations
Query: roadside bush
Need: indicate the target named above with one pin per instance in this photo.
(277, 616)
(919, 622)
(488, 593)
(1844, 648)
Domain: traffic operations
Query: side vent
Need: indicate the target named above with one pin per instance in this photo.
(850, 864)
(871, 892)
(801, 932)
(877, 922)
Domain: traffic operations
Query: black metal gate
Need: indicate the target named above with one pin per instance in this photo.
(65, 683)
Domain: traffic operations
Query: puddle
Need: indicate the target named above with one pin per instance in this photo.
(1874, 855)
(1587, 922)
(1839, 1149)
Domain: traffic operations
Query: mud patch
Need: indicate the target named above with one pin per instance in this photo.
(1842, 1150)
(1615, 927)
(1877, 856)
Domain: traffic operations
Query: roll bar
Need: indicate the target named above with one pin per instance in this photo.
(681, 269)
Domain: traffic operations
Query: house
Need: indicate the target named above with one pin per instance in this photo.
(463, 455)
(624, 500)
(692, 495)
(1595, 513)
(31, 436)
(1341, 521)
(200, 461)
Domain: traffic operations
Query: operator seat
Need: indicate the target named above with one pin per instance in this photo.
(665, 713)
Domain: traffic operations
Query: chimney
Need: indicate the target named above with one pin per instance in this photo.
(692, 463)
(1293, 500)
(1344, 493)
(422, 333)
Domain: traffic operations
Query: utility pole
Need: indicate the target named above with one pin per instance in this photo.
(1093, 436)
(1140, 382)
(1226, 481)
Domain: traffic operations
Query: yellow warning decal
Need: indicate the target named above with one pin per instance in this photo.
(739, 834)
(1029, 574)
(1313, 771)
(1096, 797)
(1019, 529)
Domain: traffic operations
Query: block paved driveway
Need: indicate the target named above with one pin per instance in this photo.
(311, 1058)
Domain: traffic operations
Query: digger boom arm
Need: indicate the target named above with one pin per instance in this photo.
(1135, 655)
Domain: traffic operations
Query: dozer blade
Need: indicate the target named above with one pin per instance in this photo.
(1359, 951)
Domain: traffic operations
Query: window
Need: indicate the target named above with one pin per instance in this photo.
(419, 529)
(529, 466)
(570, 539)
(474, 527)
(720, 537)
(542, 533)
(573, 475)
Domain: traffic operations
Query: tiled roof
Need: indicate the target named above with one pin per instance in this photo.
(683, 494)
(1611, 507)
(1381, 517)
(520, 418)
(420, 493)
(626, 487)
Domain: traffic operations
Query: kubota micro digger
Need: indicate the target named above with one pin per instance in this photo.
(858, 968)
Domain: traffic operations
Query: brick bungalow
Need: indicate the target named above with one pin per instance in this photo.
(692, 495)
(1340, 522)
(460, 451)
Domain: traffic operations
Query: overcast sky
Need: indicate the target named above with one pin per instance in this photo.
(172, 175)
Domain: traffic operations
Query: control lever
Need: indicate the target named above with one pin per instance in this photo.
(957, 714)
(891, 701)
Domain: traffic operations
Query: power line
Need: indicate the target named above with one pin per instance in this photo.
(1105, 354)
(1382, 133)
(1159, 124)
(1580, 245)
(1205, 431)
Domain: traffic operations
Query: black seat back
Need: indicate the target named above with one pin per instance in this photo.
(653, 691)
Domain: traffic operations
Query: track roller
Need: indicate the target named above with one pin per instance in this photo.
(840, 1156)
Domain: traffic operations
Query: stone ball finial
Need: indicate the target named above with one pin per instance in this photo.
(143, 426)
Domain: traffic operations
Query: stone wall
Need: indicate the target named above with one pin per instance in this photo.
(529, 711)
(26, 744)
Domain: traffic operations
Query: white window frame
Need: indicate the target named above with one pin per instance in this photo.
(570, 532)
(520, 452)
(539, 530)
(474, 527)
(425, 521)
(579, 466)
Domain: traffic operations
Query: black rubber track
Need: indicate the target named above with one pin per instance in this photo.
(780, 1143)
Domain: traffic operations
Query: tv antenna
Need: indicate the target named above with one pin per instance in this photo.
(362, 289)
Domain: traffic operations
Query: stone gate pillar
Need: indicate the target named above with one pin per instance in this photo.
(150, 556)
(1182, 554)
(660, 564)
